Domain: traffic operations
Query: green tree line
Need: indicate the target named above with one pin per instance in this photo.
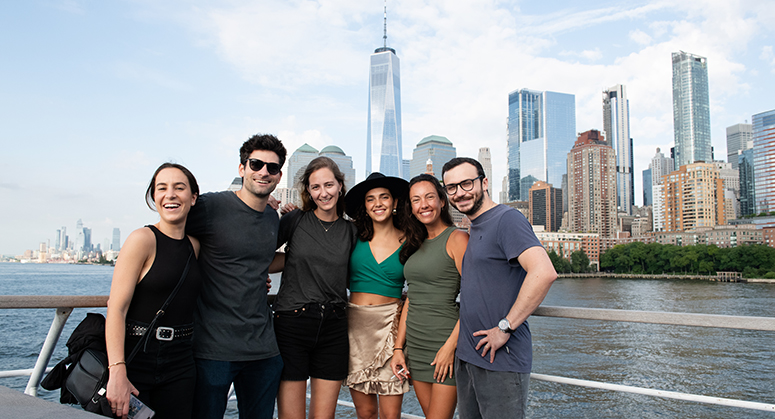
(578, 263)
(753, 261)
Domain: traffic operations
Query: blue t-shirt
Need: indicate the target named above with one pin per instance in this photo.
(489, 285)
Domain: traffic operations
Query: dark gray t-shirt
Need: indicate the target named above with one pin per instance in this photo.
(316, 262)
(489, 285)
(233, 321)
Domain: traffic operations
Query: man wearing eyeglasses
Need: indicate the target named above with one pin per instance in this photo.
(234, 338)
(506, 274)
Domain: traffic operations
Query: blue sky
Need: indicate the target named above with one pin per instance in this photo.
(95, 95)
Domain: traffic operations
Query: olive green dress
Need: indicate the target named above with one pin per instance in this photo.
(434, 284)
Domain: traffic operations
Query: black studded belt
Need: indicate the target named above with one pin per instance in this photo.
(162, 332)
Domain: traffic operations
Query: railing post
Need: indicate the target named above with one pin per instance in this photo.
(60, 318)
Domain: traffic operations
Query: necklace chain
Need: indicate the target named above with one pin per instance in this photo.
(324, 226)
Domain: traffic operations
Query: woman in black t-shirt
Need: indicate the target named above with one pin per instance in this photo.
(310, 321)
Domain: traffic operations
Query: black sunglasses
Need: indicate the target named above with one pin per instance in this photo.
(256, 165)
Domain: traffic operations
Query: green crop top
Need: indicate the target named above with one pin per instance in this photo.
(366, 275)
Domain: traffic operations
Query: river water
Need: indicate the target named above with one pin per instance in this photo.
(714, 362)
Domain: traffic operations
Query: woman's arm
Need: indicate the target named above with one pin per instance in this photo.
(456, 248)
(398, 362)
(135, 260)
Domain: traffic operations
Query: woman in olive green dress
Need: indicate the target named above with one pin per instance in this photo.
(429, 324)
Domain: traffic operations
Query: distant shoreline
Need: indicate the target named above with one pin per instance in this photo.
(712, 278)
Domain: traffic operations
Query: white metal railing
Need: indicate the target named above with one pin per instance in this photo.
(65, 304)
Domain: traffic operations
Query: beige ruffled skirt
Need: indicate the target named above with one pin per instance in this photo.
(372, 331)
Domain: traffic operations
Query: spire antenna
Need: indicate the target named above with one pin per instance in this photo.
(384, 34)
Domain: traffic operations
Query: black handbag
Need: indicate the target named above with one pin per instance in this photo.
(88, 378)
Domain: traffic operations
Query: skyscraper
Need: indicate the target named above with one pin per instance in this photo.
(592, 186)
(764, 160)
(545, 203)
(739, 138)
(691, 109)
(694, 197)
(383, 134)
(434, 147)
(647, 192)
(616, 127)
(486, 161)
(747, 183)
(116, 245)
(541, 131)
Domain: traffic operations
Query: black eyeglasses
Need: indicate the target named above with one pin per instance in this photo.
(465, 185)
(256, 165)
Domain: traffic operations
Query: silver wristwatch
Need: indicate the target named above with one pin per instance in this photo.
(505, 326)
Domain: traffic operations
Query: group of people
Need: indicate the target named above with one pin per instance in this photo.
(219, 328)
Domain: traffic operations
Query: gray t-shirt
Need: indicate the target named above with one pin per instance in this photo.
(316, 262)
(233, 320)
(489, 285)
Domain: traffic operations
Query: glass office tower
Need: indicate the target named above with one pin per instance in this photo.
(691, 109)
(541, 131)
(383, 136)
(764, 161)
(616, 124)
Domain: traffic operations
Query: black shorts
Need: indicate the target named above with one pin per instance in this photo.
(313, 342)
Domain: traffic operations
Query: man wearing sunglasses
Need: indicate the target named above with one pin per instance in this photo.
(506, 274)
(234, 338)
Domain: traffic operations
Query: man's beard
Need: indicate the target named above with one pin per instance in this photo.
(474, 208)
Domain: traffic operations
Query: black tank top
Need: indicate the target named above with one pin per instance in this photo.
(161, 279)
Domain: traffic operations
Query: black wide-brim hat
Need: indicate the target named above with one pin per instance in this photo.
(356, 197)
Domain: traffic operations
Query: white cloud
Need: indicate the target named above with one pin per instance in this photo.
(640, 37)
(768, 57)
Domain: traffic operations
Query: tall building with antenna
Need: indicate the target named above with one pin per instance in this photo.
(383, 135)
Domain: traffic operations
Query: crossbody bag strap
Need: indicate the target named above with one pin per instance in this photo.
(160, 313)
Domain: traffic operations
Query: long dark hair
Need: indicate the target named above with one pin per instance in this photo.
(416, 232)
(365, 225)
(307, 203)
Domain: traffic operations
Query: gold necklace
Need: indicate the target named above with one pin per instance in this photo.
(324, 226)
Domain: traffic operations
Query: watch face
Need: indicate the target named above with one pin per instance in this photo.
(503, 325)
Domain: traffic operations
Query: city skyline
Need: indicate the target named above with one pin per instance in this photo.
(189, 83)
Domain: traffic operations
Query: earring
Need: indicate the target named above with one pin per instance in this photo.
(394, 211)
(340, 192)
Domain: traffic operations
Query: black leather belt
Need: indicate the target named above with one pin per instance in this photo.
(162, 333)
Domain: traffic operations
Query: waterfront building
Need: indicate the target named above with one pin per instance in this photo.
(545, 205)
(764, 160)
(298, 162)
(720, 236)
(116, 244)
(564, 188)
(383, 133)
(592, 185)
(434, 147)
(731, 180)
(58, 240)
(694, 197)
(405, 169)
(616, 130)
(768, 236)
(642, 223)
(564, 244)
(691, 109)
(541, 130)
(660, 166)
(739, 138)
(485, 159)
(342, 160)
(647, 192)
(747, 185)
(658, 208)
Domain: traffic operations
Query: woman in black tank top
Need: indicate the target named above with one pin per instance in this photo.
(150, 264)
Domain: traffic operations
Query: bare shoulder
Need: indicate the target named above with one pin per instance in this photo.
(459, 237)
(140, 239)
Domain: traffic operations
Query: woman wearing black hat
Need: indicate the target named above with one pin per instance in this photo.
(376, 285)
